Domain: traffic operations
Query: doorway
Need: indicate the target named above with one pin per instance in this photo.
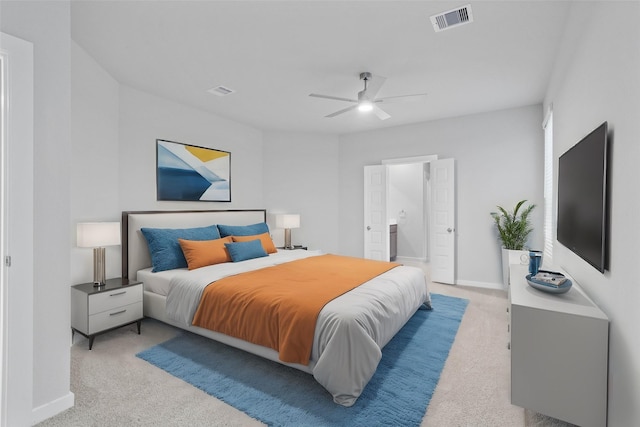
(408, 209)
(408, 205)
(437, 218)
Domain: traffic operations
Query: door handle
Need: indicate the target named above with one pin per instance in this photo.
(368, 227)
(449, 230)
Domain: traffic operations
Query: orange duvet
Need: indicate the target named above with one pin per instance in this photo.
(277, 307)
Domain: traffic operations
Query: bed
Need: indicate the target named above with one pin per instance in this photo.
(350, 330)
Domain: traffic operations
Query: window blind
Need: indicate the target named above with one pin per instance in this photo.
(548, 188)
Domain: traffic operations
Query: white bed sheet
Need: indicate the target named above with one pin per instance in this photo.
(351, 330)
(160, 282)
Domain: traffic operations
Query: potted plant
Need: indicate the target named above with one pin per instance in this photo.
(513, 229)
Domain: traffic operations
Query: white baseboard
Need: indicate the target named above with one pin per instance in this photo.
(52, 408)
(409, 259)
(486, 285)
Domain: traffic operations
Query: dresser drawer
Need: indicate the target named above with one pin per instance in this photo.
(115, 317)
(113, 299)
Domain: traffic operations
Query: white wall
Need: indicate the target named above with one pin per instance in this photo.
(145, 118)
(94, 143)
(499, 160)
(597, 78)
(47, 26)
(114, 131)
(405, 204)
(301, 176)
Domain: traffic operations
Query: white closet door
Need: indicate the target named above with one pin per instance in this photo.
(443, 227)
(376, 224)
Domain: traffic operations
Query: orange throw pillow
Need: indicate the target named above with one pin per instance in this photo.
(264, 238)
(200, 253)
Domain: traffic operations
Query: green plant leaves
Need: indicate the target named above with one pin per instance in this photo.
(513, 229)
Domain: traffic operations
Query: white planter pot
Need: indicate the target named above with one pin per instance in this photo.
(510, 256)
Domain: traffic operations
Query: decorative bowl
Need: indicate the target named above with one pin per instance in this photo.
(547, 287)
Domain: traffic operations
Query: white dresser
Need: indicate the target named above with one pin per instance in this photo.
(95, 310)
(559, 352)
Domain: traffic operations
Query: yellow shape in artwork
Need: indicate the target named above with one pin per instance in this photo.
(206, 154)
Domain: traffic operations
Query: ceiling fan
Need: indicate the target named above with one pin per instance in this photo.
(367, 100)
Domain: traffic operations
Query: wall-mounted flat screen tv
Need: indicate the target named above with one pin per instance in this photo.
(582, 198)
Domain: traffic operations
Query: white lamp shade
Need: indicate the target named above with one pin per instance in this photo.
(288, 221)
(98, 234)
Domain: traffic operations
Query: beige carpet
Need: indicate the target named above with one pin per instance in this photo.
(114, 388)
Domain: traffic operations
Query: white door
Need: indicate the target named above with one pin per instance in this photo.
(443, 228)
(16, 234)
(376, 225)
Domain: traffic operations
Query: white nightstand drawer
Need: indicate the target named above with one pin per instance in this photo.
(113, 299)
(115, 317)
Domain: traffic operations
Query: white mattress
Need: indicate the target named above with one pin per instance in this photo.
(158, 283)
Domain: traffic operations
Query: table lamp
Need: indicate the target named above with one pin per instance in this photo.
(97, 235)
(287, 221)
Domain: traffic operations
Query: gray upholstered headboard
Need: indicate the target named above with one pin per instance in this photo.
(135, 253)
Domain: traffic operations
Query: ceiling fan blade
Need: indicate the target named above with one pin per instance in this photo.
(380, 113)
(344, 110)
(336, 98)
(418, 97)
(374, 85)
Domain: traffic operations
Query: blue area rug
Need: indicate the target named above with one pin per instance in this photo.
(398, 393)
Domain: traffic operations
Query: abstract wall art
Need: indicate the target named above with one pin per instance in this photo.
(189, 173)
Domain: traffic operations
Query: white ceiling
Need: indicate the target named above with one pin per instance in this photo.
(275, 53)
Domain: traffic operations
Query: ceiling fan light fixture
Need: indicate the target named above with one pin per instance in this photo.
(367, 98)
(364, 102)
(365, 105)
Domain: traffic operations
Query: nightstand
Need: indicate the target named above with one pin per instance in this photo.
(95, 310)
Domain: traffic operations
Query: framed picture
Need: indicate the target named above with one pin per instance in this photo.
(190, 173)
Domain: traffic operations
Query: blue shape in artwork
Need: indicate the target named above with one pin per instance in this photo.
(180, 184)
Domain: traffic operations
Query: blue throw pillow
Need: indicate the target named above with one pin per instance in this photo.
(164, 248)
(242, 251)
(243, 230)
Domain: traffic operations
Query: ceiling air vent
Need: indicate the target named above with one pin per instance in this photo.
(221, 91)
(452, 18)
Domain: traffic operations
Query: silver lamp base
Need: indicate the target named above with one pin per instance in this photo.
(99, 277)
(287, 238)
